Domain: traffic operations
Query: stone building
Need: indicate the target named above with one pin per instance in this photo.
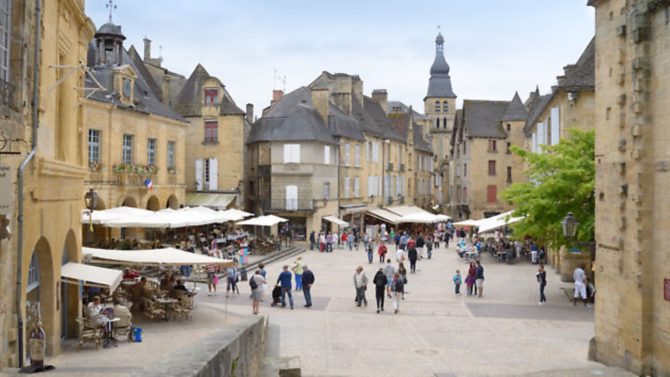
(214, 143)
(569, 105)
(632, 267)
(47, 195)
(136, 144)
(482, 160)
(440, 109)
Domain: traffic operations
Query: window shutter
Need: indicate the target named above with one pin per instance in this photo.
(555, 126)
(213, 175)
(198, 175)
(357, 187)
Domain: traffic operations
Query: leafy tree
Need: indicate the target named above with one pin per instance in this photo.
(561, 180)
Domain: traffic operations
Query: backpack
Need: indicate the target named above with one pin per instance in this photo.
(252, 283)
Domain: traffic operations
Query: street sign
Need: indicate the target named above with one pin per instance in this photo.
(6, 191)
(666, 289)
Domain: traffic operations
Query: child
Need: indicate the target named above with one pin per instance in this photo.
(457, 283)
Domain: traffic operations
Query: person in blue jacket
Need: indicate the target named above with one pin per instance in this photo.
(284, 280)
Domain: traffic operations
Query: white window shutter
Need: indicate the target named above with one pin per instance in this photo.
(326, 155)
(198, 175)
(296, 153)
(213, 175)
(356, 187)
(555, 126)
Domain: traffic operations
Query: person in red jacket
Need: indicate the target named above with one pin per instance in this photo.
(382, 250)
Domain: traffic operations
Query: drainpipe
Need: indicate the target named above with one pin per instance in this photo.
(22, 167)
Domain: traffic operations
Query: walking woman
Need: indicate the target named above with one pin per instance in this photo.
(470, 279)
(541, 276)
(380, 284)
(403, 275)
(398, 288)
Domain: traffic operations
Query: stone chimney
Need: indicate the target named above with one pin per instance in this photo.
(320, 102)
(250, 112)
(381, 97)
(165, 87)
(357, 89)
(147, 49)
(276, 96)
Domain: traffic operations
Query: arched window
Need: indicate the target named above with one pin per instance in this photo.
(445, 106)
(437, 123)
(444, 125)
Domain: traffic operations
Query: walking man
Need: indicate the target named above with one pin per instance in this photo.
(380, 283)
(412, 256)
(398, 287)
(389, 271)
(312, 240)
(307, 281)
(361, 284)
(542, 279)
(479, 279)
(580, 284)
(284, 280)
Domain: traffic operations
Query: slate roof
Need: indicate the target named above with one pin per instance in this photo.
(419, 142)
(189, 100)
(342, 125)
(397, 106)
(137, 61)
(516, 111)
(375, 121)
(481, 119)
(145, 99)
(581, 75)
(228, 106)
(439, 84)
(539, 104)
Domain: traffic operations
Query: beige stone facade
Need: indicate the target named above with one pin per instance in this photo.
(53, 181)
(632, 267)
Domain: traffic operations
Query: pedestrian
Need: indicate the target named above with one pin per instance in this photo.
(412, 255)
(370, 252)
(212, 279)
(361, 285)
(391, 235)
(403, 241)
(429, 245)
(284, 280)
(420, 243)
(366, 241)
(399, 254)
(590, 291)
(264, 273)
(232, 277)
(479, 279)
(307, 282)
(580, 284)
(329, 242)
(403, 274)
(382, 252)
(312, 240)
(398, 288)
(297, 272)
(470, 279)
(380, 283)
(541, 277)
(542, 255)
(344, 238)
(457, 283)
(389, 271)
(322, 242)
(350, 240)
(257, 285)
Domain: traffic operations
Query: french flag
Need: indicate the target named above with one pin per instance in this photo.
(149, 184)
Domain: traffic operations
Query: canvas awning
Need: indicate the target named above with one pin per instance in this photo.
(128, 217)
(209, 199)
(384, 215)
(269, 220)
(468, 222)
(335, 220)
(93, 276)
(497, 222)
(154, 257)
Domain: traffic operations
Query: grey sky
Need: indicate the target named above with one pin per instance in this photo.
(494, 47)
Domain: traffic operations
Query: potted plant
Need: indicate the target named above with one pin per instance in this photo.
(94, 166)
(122, 168)
(172, 170)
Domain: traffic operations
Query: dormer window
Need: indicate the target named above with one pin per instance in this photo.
(127, 88)
(211, 96)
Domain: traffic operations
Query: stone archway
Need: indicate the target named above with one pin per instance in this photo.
(153, 204)
(68, 301)
(39, 293)
(172, 202)
(129, 201)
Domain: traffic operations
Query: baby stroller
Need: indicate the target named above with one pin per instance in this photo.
(276, 295)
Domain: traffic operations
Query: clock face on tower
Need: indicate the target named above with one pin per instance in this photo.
(127, 88)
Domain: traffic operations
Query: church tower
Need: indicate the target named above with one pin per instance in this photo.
(440, 101)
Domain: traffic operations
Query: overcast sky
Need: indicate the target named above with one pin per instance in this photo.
(494, 47)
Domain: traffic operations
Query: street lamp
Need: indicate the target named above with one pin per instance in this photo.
(91, 200)
(569, 225)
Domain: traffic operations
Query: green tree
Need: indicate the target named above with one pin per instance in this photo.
(561, 179)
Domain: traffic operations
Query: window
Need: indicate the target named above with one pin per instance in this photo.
(347, 185)
(94, 146)
(509, 174)
(326, 154)
(509, 148)
(326, 190)
(151, 152)
(357, 186)
(375, 152)
(465, 170)
(492, 167)
(292, 153)
(465, 147)
(444, 124)
(509, 127)
(491, 194)
(465, 194)
(127, 156)
(387, 185)
(445, 108)
(437, 106)
(368, 151)
(357, 155)
(493, 146)
(291, 197)
(347, 154)
(399, 155)
(127, 88)
(211, 96)
(170, 155)
(5, 41)
(555, 128)
(211, 131)
(437, 123)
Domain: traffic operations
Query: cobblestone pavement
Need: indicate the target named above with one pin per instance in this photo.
(436, 333)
